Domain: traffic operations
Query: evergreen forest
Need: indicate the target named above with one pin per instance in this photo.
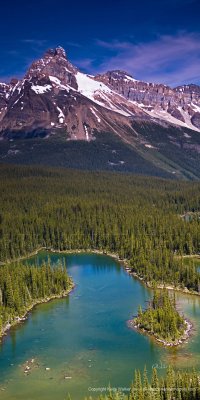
(150, 222)
(180, 385)
(141, 219)
(23, 286)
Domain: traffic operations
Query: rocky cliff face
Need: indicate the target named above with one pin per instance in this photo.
(53, 64)
(54, 95)
(158, 100)
(4, 93)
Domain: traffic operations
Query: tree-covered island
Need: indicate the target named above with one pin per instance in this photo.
(162, 320)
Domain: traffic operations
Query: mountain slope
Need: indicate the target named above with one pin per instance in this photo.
(156, 126)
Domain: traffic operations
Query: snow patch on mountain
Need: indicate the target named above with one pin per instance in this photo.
(101, 94)
(129, 78)
(54, 79)
(61, 116)
(86, 133)
(58, 83)
(38, 89)
(93, 112)
(195, 107)
(88, 86)
(164, 115)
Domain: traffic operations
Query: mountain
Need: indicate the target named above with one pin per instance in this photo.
(180, 106)
(108, 121)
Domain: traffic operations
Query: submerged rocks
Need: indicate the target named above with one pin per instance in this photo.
(29, 365)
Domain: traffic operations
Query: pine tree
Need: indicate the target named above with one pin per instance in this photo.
(155, 385)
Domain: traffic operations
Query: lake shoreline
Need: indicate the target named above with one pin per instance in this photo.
(125, 264)
(123, 261)
(186, 335)
(19, 319)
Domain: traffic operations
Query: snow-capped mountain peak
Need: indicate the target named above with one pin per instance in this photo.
(54, 94)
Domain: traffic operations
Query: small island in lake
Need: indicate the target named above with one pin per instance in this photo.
(162, 320)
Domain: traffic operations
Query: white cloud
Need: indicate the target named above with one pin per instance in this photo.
(35, 42)
(168, 59)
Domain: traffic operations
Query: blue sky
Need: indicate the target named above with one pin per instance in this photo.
(154, 40)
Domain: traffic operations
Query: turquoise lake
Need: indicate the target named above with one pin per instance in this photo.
(84, 340)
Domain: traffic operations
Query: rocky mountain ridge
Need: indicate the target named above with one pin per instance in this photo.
(181, 103)
(54, 94)
(108, 121)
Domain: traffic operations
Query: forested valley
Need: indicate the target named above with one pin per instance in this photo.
(151, 222)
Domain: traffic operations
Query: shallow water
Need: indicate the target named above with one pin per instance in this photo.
(84, 339)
